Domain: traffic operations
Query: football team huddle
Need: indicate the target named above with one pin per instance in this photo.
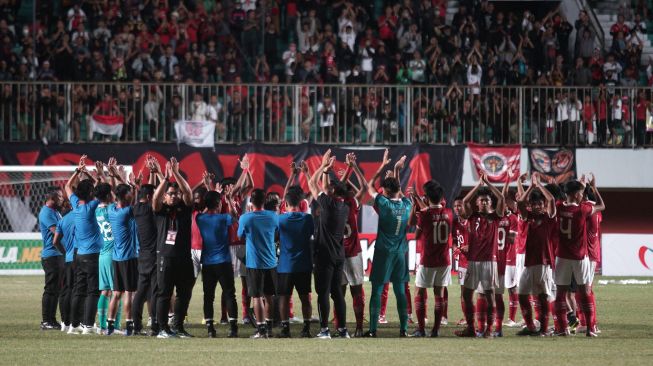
(113, 242)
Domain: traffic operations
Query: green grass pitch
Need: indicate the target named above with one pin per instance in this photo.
(625, 315)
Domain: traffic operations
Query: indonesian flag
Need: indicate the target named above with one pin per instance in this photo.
(195, 133)
(107, 125)
(496, 162)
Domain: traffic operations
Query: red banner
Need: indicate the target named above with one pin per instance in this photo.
(495, 161)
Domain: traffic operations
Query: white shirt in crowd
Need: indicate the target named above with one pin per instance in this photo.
(562, 110)
(474, 79)
(616, 109)
(199, 111)
(326, 113)
(574, 111)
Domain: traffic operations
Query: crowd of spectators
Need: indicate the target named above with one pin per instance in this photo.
(381, 42)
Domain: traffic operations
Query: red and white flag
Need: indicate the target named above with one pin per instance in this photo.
(195, 133)
(496, 162)
(107, 125)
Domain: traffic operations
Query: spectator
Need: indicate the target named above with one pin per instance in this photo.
(417, 67)
(198, 108)
(215, 116)
(581, 75)
(326, 111)
(143, 65)
(152, 111)
(619, 26)
(168, 63)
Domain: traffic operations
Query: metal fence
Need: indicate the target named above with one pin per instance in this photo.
(332, 114)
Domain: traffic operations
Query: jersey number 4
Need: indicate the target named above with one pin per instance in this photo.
(565, 227)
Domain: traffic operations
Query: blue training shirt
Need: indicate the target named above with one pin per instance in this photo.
(87, 231)
(258, 228)
(215, 237)
(66, 227)
(125, 233)
(48, 217)
(295, 230)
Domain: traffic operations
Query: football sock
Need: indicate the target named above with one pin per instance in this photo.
(586, 308)
(359, 308)
(500, 312)
(439, 311)
(581, 314)
(102, 310)
(384, 299)
(118, 315)
(402, 304)
(512, 305)
(536, 306)
(445, 310)
(307, 324)
(527, 311)
(285, 324)
(593, 301)
(481, 312)
(491, 314)
(262, 329)
(409, 299)
(110, 325)
(544, 316)
(469, 312)
(375, 305)
(420, 310)
(561, 310)
(268, 325)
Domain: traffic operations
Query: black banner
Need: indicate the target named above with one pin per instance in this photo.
(558, 163)
(269, 164)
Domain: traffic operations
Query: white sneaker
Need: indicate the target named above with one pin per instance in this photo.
(75, 330)
(149, 321)
(295, 320)
(444, 322)
(63, 327)
(44, 140)
(382, 320)
(87, 330)
(510, 323)
(581, 329)
(537, 324)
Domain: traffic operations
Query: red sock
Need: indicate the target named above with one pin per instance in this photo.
(481, 312)
(587, 308)
(420, 309)
(500, 312)
(384, 299)
(469, 312)
(579, 313)
(491, 314)
(552, 313)
(544, 318)
(245, 302)
(409, 301)
(536, 306)
(593, 300)
(445, 311)
(439, 310)
(561, 310)
(527, 312)
(513, 298)
(359, 308)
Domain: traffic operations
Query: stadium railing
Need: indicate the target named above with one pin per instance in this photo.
(331, 114)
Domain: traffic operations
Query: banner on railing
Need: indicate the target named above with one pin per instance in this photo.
(496, 162)
(558, 163)
(107, 125)
(195, 133)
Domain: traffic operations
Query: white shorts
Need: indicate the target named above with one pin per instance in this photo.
(565, 268)
(481, 276)
(536, 280)
(238, 260)
(196, 256)
(352, 271)
(461, 275)
(501, 285)
(429, 277)
(592, 271)
(519, 265)
(511, 279)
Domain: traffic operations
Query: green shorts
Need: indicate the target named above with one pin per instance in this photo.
(389, 267)
(106, 272)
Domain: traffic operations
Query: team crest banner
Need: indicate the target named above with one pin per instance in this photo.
(496, 162)
(558, 163)
(195, 133)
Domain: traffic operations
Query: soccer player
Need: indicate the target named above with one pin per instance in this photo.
(64, 241)
(329, 253)
(125, 258)
(147, 241)
(461, 240)
(482, 254)
(571, 254)
(353, 267)
(258, 228)
(295, 262)
(216, 259)
(434, 228)
(390, 253)
(540, 224)
(594, 252)
(106, 271)
(52, 259)
(506, 256)
(89, 245)
(172, 207)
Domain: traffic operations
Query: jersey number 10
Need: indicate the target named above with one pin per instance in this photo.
(440, 232)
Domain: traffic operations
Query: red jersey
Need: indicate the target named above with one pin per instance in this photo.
(483, 233)
(506, 251)
(435, 224)
(594, 236)
(522, 230)
(541, 230)
(461, 238)
(572, 234)
(350, 240)
(232, 231)
(195, 236)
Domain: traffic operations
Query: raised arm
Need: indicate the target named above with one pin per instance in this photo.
(361, 180)
(370, 185)
(501, 201)
(522, 202)
(313, 186)
(600, 205)
(184, 188)
(467, 200)
(293, 174)
(75, 177)
(157, 199)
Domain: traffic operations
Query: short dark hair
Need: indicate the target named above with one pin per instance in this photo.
(431, 183)
(258, 197)
(589, 193)
(459, 197)
(145, 190)
(573, 186)
(555, 190)
(122, 190)
(294, 196)
(172, 185)
(434, 193)
(483, 191)
(272, 201)
(84, 190)
(227, 180)
(201, 190)
(103, 191)
(391, 184)
(535, 197)
(340, 188)
(53, 192)
(212, 199)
